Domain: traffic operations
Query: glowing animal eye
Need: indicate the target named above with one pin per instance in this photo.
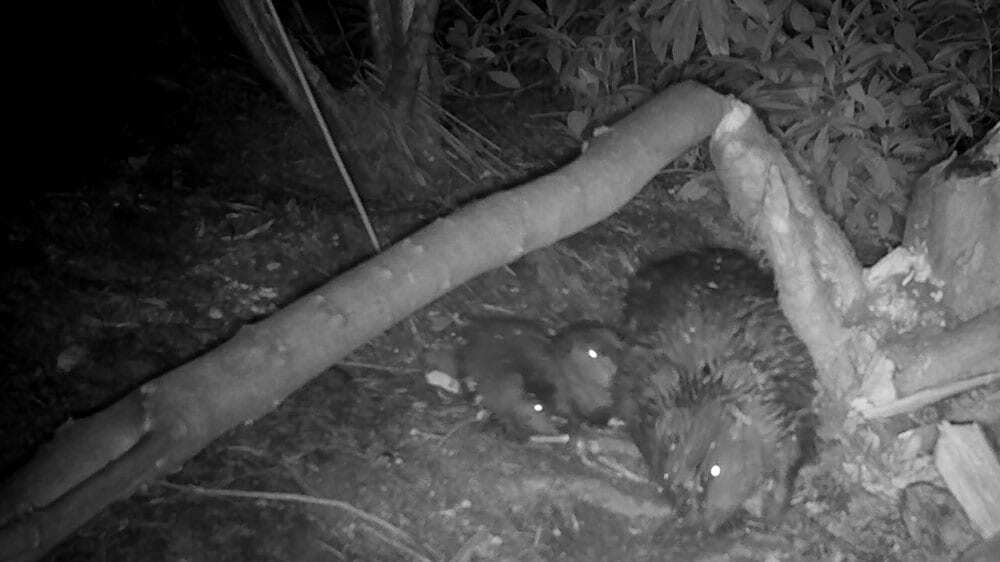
(593, 353)
(715, 471)
(537, 407)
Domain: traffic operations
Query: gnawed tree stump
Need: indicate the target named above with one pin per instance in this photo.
(921, 325)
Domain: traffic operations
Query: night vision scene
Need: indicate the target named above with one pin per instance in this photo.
(506, 280)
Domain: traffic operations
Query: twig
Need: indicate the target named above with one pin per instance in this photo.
(374, 367)
(343, 34)
(635, 62)
(924, 397)
(310, 32)
(416, 555)
(396, 533)
(453, 430)
(608, 465)
(330, 548)
(475, 546)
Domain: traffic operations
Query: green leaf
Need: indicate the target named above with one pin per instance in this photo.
(883, 220)
(660, 36)
(685, 36)
(972, 94)
(588, 74)
(904, 35)
(694, 189)
(508, 14)
(873, 108)
(568, 11)
(821, 146)
(505, 79)
(855, 14)
(946, 87)
(635, 93)
(863, 53)
(713, 22)
(833, 20)
(576, 122)
(848, 152)
(857, 218)
(554, 56)
(978, 62)
(958, 120)
(609, 23)
(837, 191)
(821, 48)
(801, 18)
(529, 7)
(755, 9)
(479, 53)
(575, 85)
(878, 170)
(658, 5)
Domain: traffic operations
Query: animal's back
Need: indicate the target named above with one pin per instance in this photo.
(717, 396)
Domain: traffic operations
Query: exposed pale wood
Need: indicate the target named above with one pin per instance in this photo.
(922, 398)
(967, 350)
(954, 217)
(970, 468)
(817, 275)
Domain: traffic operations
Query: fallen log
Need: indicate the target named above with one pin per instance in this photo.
(153, 430)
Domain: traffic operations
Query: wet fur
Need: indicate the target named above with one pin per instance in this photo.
(718, 378)
(519, 369)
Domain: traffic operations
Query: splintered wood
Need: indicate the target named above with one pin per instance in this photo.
(971, 469)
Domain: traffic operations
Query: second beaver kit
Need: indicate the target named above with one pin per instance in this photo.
(533, 382)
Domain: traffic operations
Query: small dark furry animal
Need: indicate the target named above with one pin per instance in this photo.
(717, 393)
(528, 379)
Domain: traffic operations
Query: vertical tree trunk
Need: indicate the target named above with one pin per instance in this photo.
(388, 139)
(401, 35)
(955, 214)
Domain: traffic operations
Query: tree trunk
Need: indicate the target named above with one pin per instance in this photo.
(402, 39)
(387, 139)
(153, 430)
(955, 214)
(853, 321)
(919, 326)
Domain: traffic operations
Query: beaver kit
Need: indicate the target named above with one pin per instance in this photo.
(717, 393)
(528, 379)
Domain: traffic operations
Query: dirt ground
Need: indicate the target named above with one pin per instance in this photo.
(188, 236)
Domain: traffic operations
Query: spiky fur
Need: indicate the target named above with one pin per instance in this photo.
(718, 378)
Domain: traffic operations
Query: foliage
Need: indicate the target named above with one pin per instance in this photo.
(863, 93)
(592, 66)
(865, 96)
